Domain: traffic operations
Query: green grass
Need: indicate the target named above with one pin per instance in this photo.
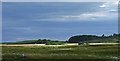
(63, 52)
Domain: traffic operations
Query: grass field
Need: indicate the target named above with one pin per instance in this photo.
(61, 52)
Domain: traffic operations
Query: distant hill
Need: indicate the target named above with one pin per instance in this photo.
(39, 41)
(75, 39)
(94, 38)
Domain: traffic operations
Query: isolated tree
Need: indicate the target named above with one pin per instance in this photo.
(103, 35)
(39, 39)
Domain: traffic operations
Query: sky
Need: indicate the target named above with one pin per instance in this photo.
(57, 20)
(0, 22)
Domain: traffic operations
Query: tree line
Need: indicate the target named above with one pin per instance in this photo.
(94, 38)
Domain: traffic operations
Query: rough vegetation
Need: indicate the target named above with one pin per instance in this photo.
(61, 52)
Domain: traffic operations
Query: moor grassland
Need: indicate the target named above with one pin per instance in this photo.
(61, 52)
